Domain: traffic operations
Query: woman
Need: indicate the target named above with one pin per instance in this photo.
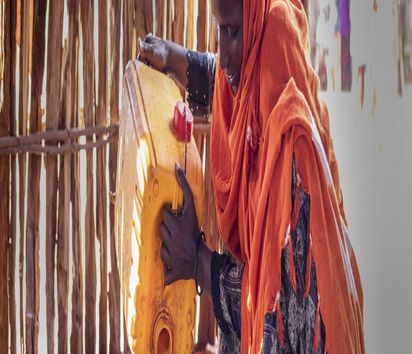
(291, 284)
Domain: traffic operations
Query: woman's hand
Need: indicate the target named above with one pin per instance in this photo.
(165, 56)
(180, 235)
(154, 51)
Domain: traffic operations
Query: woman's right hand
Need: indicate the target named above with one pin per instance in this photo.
(154, 51)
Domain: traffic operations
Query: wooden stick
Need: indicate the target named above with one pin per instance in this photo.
(202, 25)
(63, 248)
(10, 89)
(199, 143)
(23, 120)
(15, 124)
(160, 18)
(190, 24)
(206, 317)
(179, 21)
(139, 22)
(169, 20)
(207, 323)
(211, 241)
(53, 84)
(87, 21)
(68, 98)
(4, 186)
(212, 33)
(33, 193)
(148, 15)
(101, 202)
(4, 224)
(21, 169)
(57, 150)
(61, 135)
(201, 128)
(76, 339)
(128, 31)
(127, 56)
(114, 280)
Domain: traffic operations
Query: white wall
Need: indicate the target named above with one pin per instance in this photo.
(375, 160)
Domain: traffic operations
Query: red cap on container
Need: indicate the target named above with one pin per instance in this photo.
(182, 121)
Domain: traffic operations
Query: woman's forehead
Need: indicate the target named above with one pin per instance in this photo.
(227, 12)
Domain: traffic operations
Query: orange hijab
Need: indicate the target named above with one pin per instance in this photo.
(276, 115)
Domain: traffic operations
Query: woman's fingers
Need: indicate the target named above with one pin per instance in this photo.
(165, 233)
(165, 256)
(167, 262)
(153, 51)
(169, 278)
(150, 38)
(187, 190)
(146, 50)
(169, 218)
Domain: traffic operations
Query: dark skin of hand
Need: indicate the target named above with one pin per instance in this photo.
(180, 234)
(165, 56)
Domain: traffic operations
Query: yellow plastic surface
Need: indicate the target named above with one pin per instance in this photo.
(158, 320)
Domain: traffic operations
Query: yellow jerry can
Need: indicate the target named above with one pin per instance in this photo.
(158, 319)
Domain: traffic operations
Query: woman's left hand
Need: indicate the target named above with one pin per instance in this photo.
(180, 234)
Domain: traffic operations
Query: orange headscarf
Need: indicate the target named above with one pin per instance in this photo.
(276, 115)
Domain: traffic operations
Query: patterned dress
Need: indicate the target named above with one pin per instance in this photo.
(302, 329)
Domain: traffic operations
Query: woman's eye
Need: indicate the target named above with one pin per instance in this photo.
(232, 31)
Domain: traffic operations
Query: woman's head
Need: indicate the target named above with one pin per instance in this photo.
(229, 17)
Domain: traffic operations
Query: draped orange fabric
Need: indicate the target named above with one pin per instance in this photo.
(276, 115)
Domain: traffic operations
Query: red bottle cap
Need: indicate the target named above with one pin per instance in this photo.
(182, 121)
